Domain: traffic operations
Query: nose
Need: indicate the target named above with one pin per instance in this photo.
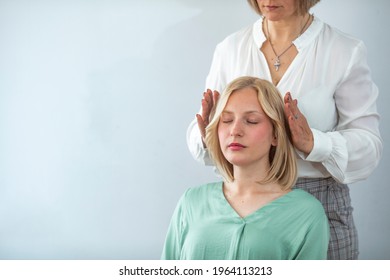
(236, 129)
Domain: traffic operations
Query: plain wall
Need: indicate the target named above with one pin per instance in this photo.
(95, 100)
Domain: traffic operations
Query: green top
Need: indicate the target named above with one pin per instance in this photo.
(205, 226)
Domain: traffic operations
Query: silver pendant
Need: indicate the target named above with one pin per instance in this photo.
(277, 64)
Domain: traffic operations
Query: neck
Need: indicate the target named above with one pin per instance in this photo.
(287, 30)
(246, 181)
(249, 187)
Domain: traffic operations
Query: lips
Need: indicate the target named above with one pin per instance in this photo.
(271, 8)
(236, 146)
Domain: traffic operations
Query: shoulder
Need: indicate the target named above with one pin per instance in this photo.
(200, 193)
(333, 45)
(337, 38)
(302, 196)
(241, 37)
(307, 203)
(196, 198)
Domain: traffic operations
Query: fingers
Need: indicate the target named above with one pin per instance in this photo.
(286, 98)
(210, 99)
(291, 107)
(205, 110)
(215, 97)
(201, 125)
(207, 104)
(302, 136)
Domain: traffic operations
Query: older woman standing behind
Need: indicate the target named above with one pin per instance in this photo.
(335, 126)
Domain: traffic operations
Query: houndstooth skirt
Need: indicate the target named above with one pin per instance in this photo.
(335, 198)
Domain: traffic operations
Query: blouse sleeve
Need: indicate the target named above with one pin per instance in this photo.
(195, 144)
(316, 242)
(353, 150)
(173, 240)
(216, 80)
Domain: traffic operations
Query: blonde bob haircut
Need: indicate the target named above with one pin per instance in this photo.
(303, 5)
(283, 166)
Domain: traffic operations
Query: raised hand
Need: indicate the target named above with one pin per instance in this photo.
(302, 136)
(209, 100)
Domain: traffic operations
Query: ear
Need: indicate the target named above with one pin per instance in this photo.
(274, 141)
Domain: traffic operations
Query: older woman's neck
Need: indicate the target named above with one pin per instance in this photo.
(288, 29)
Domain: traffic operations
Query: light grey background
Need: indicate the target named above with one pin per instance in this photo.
(95, 99)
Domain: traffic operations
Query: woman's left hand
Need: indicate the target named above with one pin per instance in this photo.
(302, 136)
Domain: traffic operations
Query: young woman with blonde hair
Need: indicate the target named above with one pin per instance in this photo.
(253, 213)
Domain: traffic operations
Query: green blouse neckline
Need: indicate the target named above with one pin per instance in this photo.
(258, 212)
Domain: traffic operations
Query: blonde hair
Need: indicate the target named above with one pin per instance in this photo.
(303, 6)
(283, 166)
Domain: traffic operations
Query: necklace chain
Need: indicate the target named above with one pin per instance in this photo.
(277, 62)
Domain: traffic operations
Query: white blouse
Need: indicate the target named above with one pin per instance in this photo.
(332, 82)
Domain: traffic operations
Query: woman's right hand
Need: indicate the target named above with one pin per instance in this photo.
(209, 100)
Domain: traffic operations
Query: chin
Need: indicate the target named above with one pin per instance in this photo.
(238, 162)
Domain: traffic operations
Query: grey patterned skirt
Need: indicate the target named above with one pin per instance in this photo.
(335, 198)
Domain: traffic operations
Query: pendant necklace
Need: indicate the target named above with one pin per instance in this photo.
(277, 62)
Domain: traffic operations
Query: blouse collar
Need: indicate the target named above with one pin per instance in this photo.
(301, 42)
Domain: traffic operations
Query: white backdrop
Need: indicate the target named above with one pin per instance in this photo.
(95, 99)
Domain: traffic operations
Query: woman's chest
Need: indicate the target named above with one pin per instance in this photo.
(237, 239)
(308, 80)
